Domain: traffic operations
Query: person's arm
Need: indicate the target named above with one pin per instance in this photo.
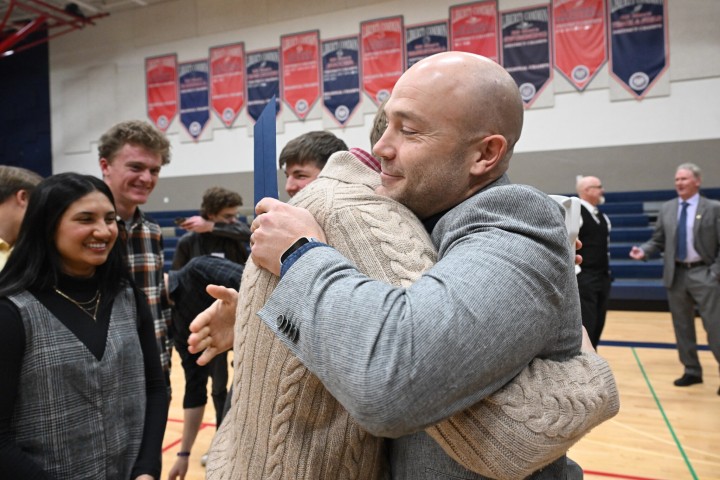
(402, 359)
(656, 243)
(539, 415)
(237, 230)
(156, 411)
(14, 463)
(192, 420)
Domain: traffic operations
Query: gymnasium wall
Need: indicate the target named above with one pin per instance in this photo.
(97, 79)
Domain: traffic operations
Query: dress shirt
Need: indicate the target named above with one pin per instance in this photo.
(692, 254)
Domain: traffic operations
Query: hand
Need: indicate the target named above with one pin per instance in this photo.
(179, 470)
(276, 227)
(637, 253)
(197, 224)
(213, 330)
(144, 476)
(578, 246)
(586, 343)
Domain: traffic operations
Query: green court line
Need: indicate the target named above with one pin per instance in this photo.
(662, 412)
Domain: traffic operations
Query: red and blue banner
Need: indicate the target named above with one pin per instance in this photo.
(638, 43)
(341, 77)
(301, 71)
(424, 40)
(526, 48)
(263, 80)
(381, 46)
(161, 90)
(474, 28)
(227, 81)
(580, 39)
(194, 87)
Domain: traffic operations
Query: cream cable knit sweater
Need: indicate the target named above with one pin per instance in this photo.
(283, 424)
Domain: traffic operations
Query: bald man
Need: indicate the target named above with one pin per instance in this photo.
(503, 291)
(594, 278)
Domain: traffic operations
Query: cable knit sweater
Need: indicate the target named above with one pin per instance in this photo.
(284, 424)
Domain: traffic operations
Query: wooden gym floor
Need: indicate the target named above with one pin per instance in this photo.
(661, 433)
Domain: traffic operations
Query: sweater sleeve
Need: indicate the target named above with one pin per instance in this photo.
(14, 463)
(150, 456)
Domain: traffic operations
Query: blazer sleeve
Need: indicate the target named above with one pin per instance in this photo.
(401, 359)
(656, 244)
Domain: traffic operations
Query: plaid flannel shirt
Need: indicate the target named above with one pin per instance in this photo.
(145, 257)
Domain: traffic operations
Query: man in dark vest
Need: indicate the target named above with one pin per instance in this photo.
(594, 278)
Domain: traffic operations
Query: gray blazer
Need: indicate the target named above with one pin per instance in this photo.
(706, 232)
(502, 293)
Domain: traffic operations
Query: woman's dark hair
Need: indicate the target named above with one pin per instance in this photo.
(35, 262)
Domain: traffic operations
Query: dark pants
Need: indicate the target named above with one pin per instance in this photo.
(594, 290)
(694, 287)
(196, 378)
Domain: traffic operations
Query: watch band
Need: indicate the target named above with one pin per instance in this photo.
(295, 246)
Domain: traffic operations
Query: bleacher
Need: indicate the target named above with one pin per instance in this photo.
(637, 285)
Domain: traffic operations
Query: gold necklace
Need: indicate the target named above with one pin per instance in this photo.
(91, 305)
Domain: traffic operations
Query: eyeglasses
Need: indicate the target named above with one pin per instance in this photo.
(594, 186)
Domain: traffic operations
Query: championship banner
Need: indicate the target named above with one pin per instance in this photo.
(227, 81)
(301, 71)
(194, 87)
(381, 44)
(341, 77)
(525, 43)
(263, 80)
(638, 43)
(474, 28)
(580, 39)
(421, 41)
(161, 90)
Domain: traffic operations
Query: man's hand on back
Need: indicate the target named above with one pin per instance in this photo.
(276, 227)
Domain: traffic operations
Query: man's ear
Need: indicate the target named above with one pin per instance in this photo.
(490, 152)
(104, 164)
(21, 197)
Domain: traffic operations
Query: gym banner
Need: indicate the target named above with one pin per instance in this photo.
(421, 41)
(161, 90)
(638, 43)
(301, 71)
(474, 28)
(381, 46)
(341, 77)
(263, 80)
(194, 87)
(525, 49)
(227, 81)
(580, 39)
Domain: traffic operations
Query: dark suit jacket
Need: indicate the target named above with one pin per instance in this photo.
(706, 232)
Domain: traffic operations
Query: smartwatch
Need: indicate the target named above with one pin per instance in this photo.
(296, 246)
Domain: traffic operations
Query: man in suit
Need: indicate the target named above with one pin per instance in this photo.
(502, 292)
(688, 234)
(594, 277)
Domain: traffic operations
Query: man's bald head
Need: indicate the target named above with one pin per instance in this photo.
(453, 121)
(480, 94)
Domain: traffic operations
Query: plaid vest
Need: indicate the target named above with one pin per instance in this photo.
(77, 416)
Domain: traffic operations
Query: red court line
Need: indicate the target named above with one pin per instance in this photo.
(615, 475)
(179, 440)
